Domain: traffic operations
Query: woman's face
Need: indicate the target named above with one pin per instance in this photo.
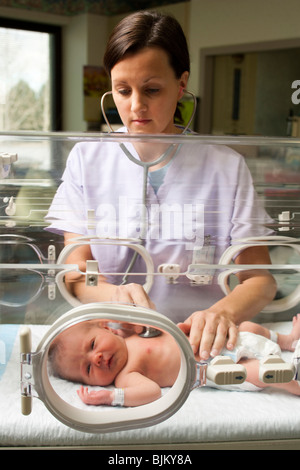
(146, 91)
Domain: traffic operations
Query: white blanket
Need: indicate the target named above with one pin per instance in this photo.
(209, 415)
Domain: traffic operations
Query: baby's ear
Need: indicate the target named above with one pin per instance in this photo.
(103, 326)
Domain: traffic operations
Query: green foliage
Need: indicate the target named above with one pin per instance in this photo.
(27, 110)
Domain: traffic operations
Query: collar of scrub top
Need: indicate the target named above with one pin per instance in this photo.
(35, 378)
(147, 165)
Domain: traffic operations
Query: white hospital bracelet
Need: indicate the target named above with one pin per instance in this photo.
(118, 397)
(273, 336)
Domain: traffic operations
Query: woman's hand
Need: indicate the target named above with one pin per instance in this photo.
(104, 291)
(131, 294)
(211, 329)
(209, 332)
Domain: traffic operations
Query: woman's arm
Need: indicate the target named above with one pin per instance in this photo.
(104, 291)
(211, 329)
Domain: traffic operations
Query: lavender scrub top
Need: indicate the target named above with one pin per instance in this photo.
(196, 207)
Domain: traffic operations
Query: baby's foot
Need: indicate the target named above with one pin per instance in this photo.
(289, 341)
(295, 333)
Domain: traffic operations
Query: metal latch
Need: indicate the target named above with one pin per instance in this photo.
(91, 273)
(26, 370)
(26, 382)
(51, 273)
(6, 160)
(201, 373)
(286, 220)
(199, 271)
(170, 271)
(26, 374)
(199, 274)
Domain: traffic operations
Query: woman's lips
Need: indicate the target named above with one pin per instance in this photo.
(141, 122)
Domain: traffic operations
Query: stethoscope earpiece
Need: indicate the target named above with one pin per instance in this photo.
(182, 91)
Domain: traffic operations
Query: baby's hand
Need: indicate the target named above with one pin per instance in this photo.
(95, 397)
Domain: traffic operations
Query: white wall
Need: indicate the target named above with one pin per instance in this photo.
(215, 23)
(74, 56)
(84, 40)
(181, 11)
(206, 23)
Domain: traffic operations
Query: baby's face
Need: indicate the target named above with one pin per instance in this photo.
(92, 354)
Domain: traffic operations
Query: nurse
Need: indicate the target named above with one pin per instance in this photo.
(147, 60)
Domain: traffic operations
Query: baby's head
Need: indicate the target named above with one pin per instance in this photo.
(88, 353)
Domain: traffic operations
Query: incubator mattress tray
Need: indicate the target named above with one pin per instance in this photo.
(209, 417)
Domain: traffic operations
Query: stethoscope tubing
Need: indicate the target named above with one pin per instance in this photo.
(145, 165)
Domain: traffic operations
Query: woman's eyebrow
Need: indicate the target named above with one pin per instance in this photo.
(119, 82)
(154, 77)
(125, 82)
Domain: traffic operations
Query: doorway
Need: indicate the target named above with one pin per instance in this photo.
(246, 89)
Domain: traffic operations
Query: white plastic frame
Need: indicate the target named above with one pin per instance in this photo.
(123, 418)
(133, 243)
(277, 305)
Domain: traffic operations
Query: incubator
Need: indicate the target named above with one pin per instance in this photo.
(160, 231)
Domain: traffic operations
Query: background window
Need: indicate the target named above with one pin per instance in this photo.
(30, 76)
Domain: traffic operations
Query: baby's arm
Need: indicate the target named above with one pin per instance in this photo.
(138, 390)
(95, 397)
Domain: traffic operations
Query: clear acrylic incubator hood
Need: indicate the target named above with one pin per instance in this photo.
(176, 232)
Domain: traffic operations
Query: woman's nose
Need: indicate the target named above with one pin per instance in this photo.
(137, 102)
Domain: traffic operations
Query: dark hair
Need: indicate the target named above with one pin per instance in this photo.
(148, 29)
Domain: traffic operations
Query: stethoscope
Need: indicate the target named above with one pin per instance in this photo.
(186, 128)
(37, 382)
(223, 279)
(36, 378)
(34, 372)
(146, 165)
